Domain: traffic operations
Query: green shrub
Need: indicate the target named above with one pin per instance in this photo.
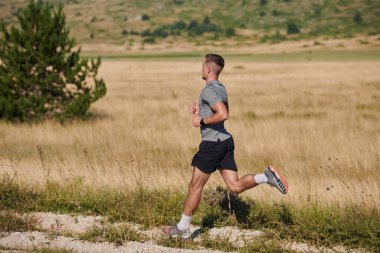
(275, 13)
(146, 33)
(145, 17)
(179, 2)
(160, 32)
(358, 18)
(149, 40)
(230, 32)
(41, 75)
(133, 32)
(195, 28)
(293, 28)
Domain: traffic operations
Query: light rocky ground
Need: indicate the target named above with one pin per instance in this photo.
(38, 240)
(54, 231)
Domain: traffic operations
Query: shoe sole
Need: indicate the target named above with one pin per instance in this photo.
(280, 180)
(175, 236)
(180, 237)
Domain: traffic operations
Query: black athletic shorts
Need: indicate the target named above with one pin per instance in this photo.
(215, 155)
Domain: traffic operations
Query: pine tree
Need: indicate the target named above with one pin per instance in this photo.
(42, 76)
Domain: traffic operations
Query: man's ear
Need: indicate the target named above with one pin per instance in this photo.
(208, 68)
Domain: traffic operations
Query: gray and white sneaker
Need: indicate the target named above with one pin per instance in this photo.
(276, 180)
(174, 232)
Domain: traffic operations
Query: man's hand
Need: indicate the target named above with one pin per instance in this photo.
(196, 121)
(194, 109)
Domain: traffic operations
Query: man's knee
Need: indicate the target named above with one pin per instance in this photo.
(194, 186)
(235, 188)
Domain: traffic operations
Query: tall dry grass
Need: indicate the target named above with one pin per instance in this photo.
(318, 122)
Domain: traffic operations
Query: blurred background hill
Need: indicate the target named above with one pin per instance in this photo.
(134, 24)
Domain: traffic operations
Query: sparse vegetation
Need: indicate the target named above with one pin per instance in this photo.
(329, 19)
(118, 235)
(350, 225)
(13, 222)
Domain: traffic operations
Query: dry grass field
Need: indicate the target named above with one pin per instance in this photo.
(318, 122)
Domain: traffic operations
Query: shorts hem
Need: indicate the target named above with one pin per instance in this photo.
(207, 171)
(234, 169)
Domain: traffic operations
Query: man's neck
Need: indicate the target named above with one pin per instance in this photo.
(208, 80)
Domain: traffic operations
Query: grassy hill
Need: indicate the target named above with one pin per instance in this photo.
(153, 21)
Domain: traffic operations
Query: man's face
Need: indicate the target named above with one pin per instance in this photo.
(204, 70)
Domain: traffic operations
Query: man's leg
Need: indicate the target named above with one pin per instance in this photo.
(196, 185)
(270, 176)
(235, 184)
(197, 182)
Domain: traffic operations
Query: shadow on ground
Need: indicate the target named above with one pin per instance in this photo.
(223, 205)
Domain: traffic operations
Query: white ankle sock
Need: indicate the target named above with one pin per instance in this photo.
(261, 178)
(184, 223)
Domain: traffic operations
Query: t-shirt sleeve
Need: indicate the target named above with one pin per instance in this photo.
(211, 96)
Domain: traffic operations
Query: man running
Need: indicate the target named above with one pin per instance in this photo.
(216, 150)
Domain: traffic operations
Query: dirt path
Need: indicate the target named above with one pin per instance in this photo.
(61, 232)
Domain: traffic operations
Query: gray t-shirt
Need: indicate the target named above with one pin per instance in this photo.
(213, 93)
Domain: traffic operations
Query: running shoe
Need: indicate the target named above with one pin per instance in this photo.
(276, 180)
(174, 232)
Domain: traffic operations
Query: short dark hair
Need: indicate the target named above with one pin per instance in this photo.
(217, 59)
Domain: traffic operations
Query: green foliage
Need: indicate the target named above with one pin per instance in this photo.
(145, 17)
(230, 32)
(358, 18)
(263, 2)
(13, 195)
(275, 13)
(178, 2)
(149, 40)
(160, 32)
(41, 75)
(292, 28)
(146, 33)
(193, 28)
(133, 32)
